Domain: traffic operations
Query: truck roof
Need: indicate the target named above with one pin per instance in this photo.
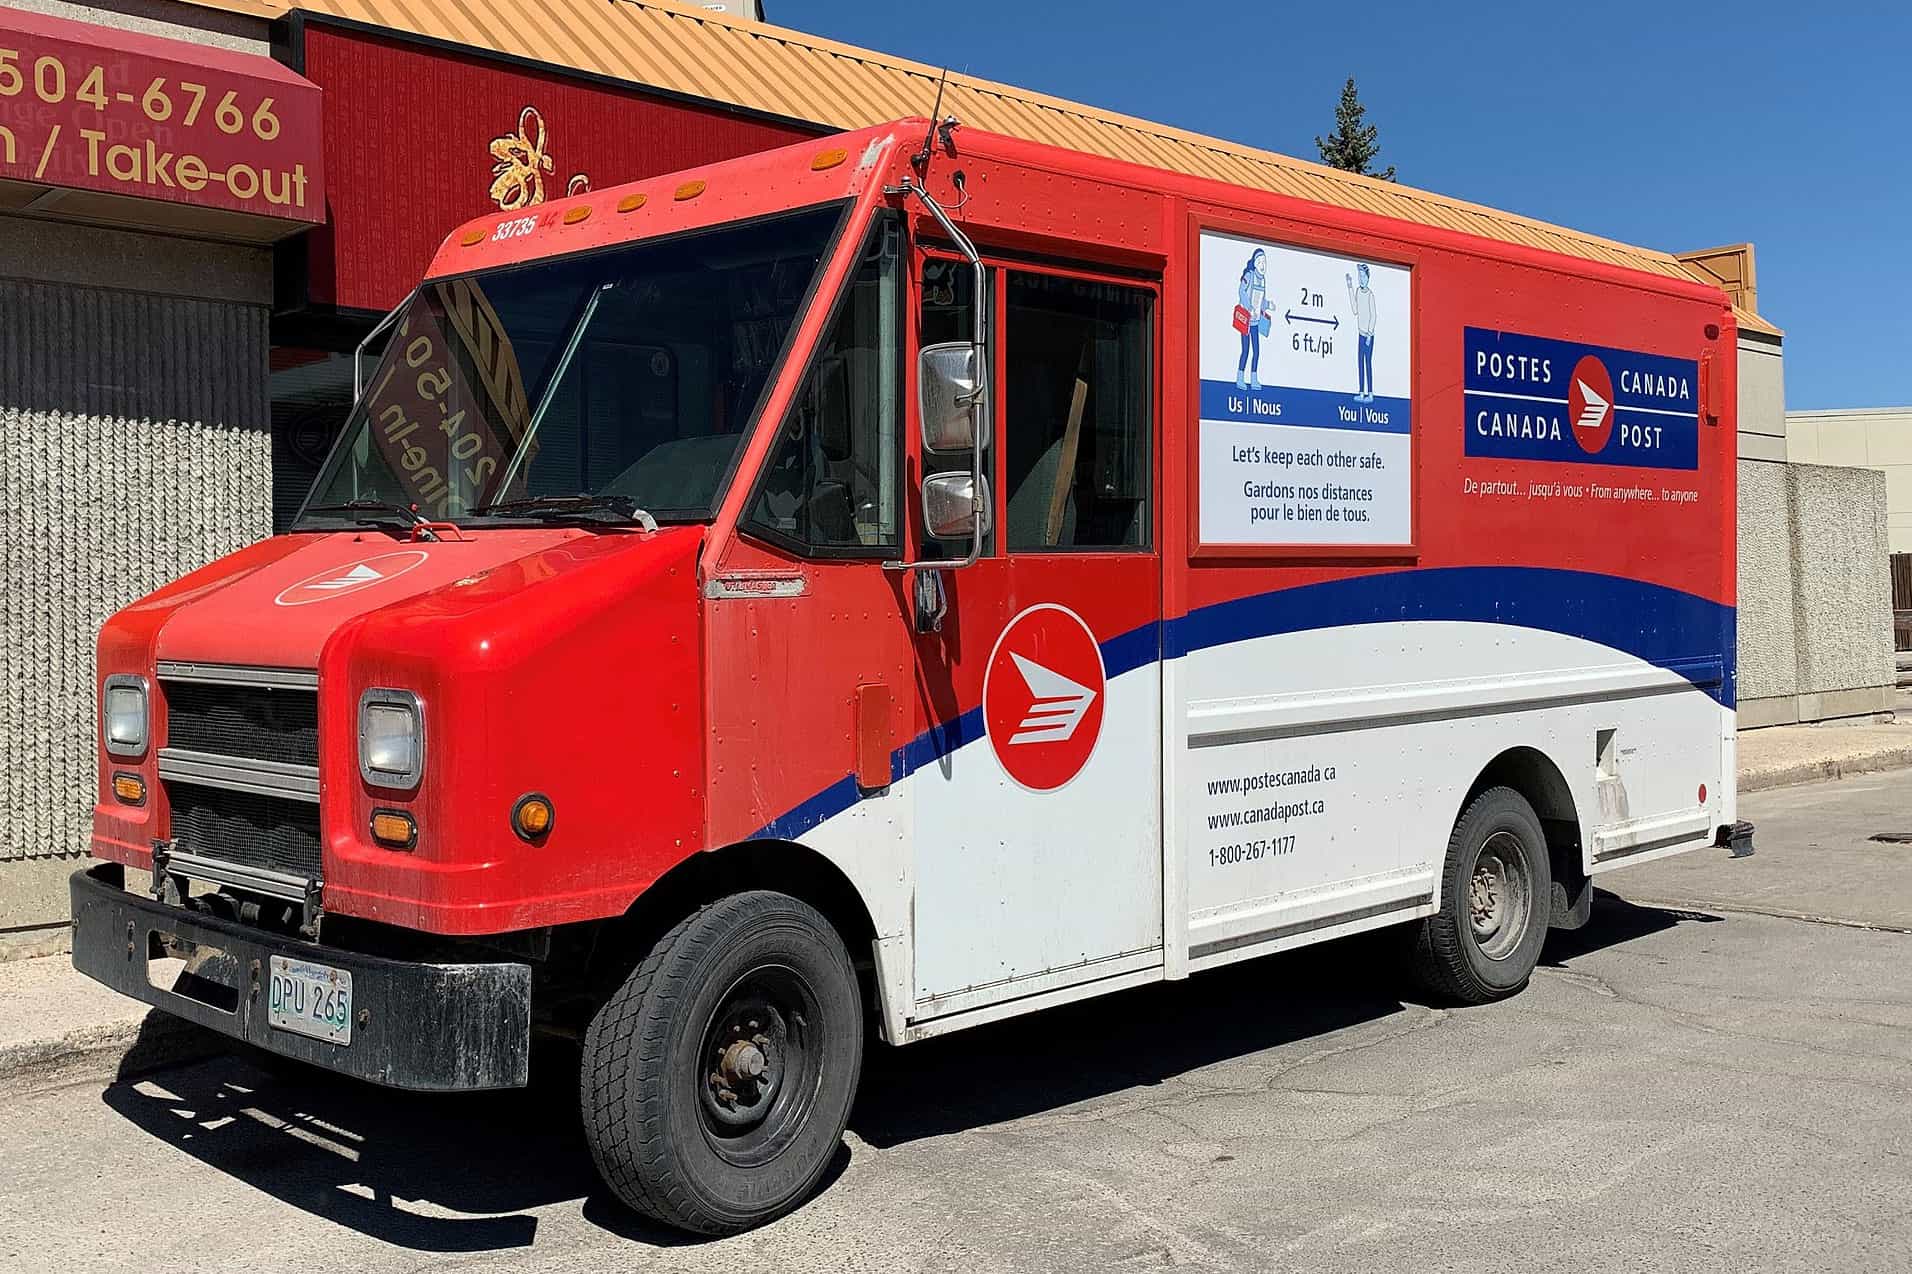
(758, 184)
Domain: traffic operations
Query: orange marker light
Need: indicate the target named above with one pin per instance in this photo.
(470, 238)
(130, 788)
(574, 215)
(689, 190)
(532, 816)
(630, 203)
(828, 159)
(393, 829)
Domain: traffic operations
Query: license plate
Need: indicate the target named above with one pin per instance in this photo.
(310, 999)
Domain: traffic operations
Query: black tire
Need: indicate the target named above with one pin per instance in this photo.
(1496, 896)
(698, 1142)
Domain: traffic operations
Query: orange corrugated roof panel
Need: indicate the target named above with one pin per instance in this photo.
(672, 46)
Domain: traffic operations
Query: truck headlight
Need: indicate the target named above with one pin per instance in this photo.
(124, 715)
(391, 738)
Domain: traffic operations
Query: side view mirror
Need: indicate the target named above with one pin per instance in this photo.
(949, 393)
(951, 507)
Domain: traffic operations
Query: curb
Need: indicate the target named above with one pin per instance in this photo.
(126, 1048)
(1818, 771)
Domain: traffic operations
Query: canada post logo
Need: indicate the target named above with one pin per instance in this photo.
(337, 581)
(1042, 697)
(1533, 398)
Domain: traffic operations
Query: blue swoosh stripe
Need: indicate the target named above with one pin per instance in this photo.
(1678, 631)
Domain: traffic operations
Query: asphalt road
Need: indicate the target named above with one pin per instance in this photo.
(1687, 1085)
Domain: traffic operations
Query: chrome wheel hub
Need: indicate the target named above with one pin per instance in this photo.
(1500, 896)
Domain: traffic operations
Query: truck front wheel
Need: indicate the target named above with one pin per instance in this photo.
(1496, 895)
(717, 1080)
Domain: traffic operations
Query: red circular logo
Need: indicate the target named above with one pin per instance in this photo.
(1042, 697)
(1590, 405)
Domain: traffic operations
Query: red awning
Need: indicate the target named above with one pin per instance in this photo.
(154, 129)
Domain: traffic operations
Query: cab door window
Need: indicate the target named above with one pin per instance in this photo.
(1076, 413)
(830, 484)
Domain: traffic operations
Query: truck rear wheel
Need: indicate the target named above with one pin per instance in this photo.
(717, 1080)
(1496, 893)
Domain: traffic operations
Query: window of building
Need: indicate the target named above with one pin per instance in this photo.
(1076, 413)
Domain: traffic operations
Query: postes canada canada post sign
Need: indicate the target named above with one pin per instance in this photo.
(1533, 398)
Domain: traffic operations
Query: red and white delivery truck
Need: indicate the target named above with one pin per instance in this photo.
(907, 580)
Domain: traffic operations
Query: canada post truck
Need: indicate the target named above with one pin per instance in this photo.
(906, 580)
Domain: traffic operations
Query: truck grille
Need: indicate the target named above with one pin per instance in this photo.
(266, 723)
(267, 832)
(240, 763)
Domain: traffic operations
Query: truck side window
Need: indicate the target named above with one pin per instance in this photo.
(1076, 412)
(830, 482)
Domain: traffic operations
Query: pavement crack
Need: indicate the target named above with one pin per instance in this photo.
(1429, 1019)
(1775, 913)
(1598, 985)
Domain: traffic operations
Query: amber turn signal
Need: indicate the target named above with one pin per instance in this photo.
(689, 190)
(531, 817)
(130, 788)
(393, 829)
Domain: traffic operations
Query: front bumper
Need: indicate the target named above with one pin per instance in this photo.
(433, 1027)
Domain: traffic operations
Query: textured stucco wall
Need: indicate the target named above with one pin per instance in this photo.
(134, 446)
(1815, 618)
(1845, 610)
(1768, 649)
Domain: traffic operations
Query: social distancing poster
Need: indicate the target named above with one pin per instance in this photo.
(1305, 360)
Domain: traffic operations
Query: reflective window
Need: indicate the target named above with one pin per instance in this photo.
(830, 481)
(630, 372)
(1076, 414)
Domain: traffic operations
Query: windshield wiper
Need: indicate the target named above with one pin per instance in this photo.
(552, 507)
(411, 517)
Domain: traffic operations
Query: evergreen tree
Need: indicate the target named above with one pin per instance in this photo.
(1351, 146)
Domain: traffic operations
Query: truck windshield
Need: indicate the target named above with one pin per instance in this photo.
(630, 374)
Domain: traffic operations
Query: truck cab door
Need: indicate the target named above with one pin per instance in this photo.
(1036, 802)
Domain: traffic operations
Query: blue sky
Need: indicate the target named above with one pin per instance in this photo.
(1670, 125)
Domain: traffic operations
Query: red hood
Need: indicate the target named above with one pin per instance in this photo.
(281, 613)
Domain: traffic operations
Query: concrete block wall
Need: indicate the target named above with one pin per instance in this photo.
(1815, 617)
(1768, 585)
(135, 446)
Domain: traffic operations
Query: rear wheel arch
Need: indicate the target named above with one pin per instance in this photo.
(1534, 775)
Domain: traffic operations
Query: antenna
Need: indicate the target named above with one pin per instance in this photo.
(920, 160)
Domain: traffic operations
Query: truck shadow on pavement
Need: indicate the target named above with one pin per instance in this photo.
(463, 1172)
(1009, 1070)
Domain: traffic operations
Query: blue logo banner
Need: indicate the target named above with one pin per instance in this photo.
(1311, 408)
(1535, 398)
